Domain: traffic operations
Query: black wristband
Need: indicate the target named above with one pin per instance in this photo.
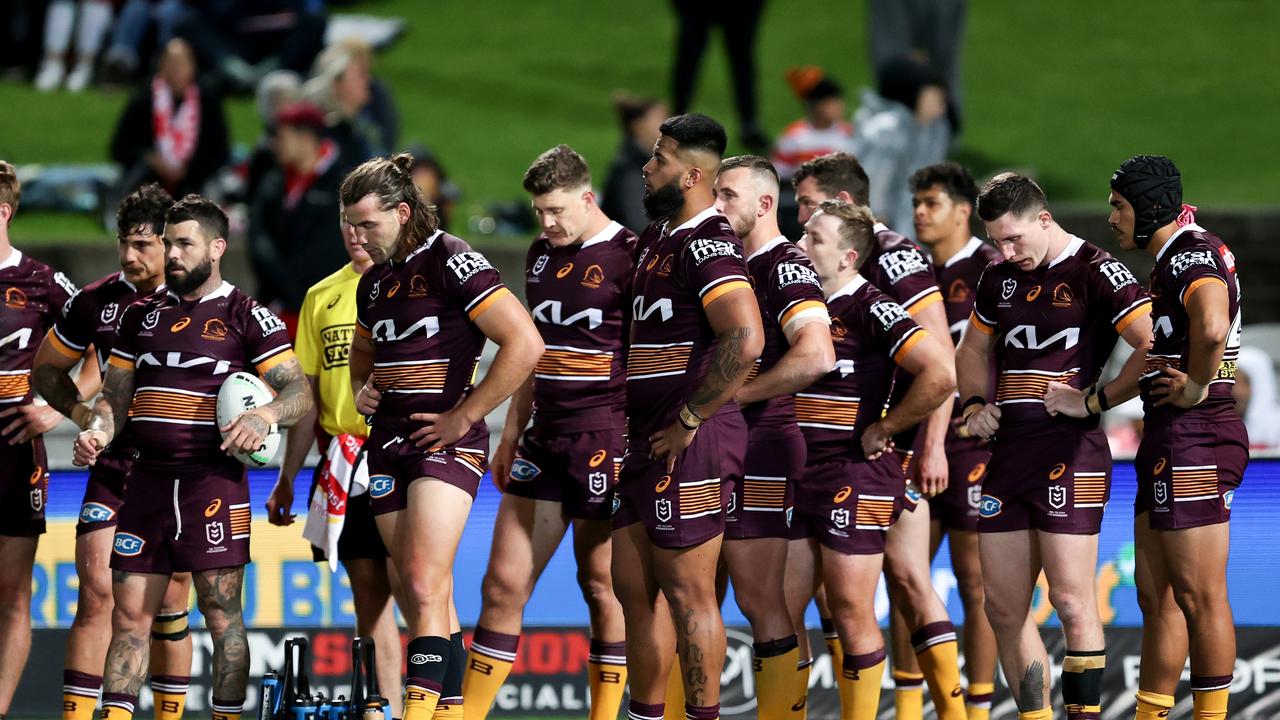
(1103, 404)
(973, 400)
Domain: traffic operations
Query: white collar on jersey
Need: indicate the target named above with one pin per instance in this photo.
(15, 257)
(125, 280)
(1189, 227)
(769, 246)
(606, 234)
(696, 220)
(1071, 249)
(849, 289)
(223, 290)
(879, 228)
(424, 246)
(967, 251)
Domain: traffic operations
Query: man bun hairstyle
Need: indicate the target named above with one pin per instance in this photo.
(390, 179)
(857, 226)
(1011, 193)
(560, 168)
(952, 178)
(206, 213)
(835, 172)
(143, 211)
(695, 131)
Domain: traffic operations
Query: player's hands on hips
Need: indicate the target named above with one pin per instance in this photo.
(984, 422)
(1171, 389)
(87, 446)
(668, 443)
(500, 463)
(932, 471)
(280, 502)
(28, 421)
(876, 441)
(1062, 399)
(367, 399)
(247, 432)
(440, 429)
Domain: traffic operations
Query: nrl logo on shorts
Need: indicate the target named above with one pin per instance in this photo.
(662, 508)
(1057, 496)
(108, 315)
(597, 483)
(214, 533)
(975, 496)
(1007, 288)
(37, 499)
(1161, 492)
(840, 517)
(522, 470)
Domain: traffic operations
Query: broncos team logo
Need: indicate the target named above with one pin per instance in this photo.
(128, 544)
(1062, 295)
(381, 486)
(523, 471)
(214, 329)
(990, 506)
(958, 291)
(96, 512)
(417, 286)
(593, 277)
(15, 298)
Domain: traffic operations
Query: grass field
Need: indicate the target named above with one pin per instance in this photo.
(1064, 90)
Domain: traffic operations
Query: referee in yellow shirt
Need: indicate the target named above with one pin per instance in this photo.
(325, 326)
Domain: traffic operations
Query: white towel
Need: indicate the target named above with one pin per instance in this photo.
(344, 474)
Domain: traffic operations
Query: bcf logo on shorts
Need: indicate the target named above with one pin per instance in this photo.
(128, 544)
(597, 483)
(840, 517)
(92, 512)
(662, 508)
(522, 470)
(381, 486)
(990, 506)
(1227, 498)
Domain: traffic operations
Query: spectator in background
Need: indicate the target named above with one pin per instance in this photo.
(294, 239)
(241, 41)
(624, 184)
(361, 111)
(1255, 396)
(275, 91)
(432, 180)
(739, 19)
(901, 127)
(173, 131)
(131, 31)
(90, 20)
(929, 31)
(822, 130)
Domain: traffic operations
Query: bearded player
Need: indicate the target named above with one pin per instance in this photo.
(1051, 312)
(797, 351)
(695, 334)
(923, 636)
(35, 296)
(88, 333)
(186, 502)
(423, 314)
(853, 488)
(944, 197)
(560, 471)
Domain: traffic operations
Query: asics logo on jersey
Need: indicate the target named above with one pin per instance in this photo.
(901, 263)
(189, 362)
(22, 337)
(642, 311)
(550, 311)
(1026, 337)
(385, 330)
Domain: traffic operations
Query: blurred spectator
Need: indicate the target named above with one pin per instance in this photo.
(132, 29)
(241, 41)
(822, 130)
(1255, 395)
(275, 91)
(173, 131)
(362, 114)
(90, 20)
(295, 239)
(739, 20)
(929, 31)
(623, 199)
(430, 177)
(20, 43)
(901, 127)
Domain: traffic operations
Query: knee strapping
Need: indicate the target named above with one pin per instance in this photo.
(170, 626)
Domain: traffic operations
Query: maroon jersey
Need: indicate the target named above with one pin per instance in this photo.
(958, 278)
(35, 296)
(420, 316)
(871, 334)
(899, 270)
(578, 296)
(92, 317)
(786, 286)
(180, 352)
(1192, 258)
(1057, 322)
(678, 273)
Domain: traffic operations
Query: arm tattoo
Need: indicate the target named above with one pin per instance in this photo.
(1031, 696)
(293, 398)
(111, 409)
(57, 388)
(218, 593)
(725, 369)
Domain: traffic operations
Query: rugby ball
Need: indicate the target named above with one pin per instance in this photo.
(239, 393)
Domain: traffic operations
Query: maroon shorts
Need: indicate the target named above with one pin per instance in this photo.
(761, 505)
(849, 505)
(104, 493)
(1057, 483)
(577, 470)
(183, 519)
(24, 486)
(1188, 472)
(685, 508)
(394, 462)
(956, 508)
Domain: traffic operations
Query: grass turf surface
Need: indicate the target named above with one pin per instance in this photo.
(1065, 90)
